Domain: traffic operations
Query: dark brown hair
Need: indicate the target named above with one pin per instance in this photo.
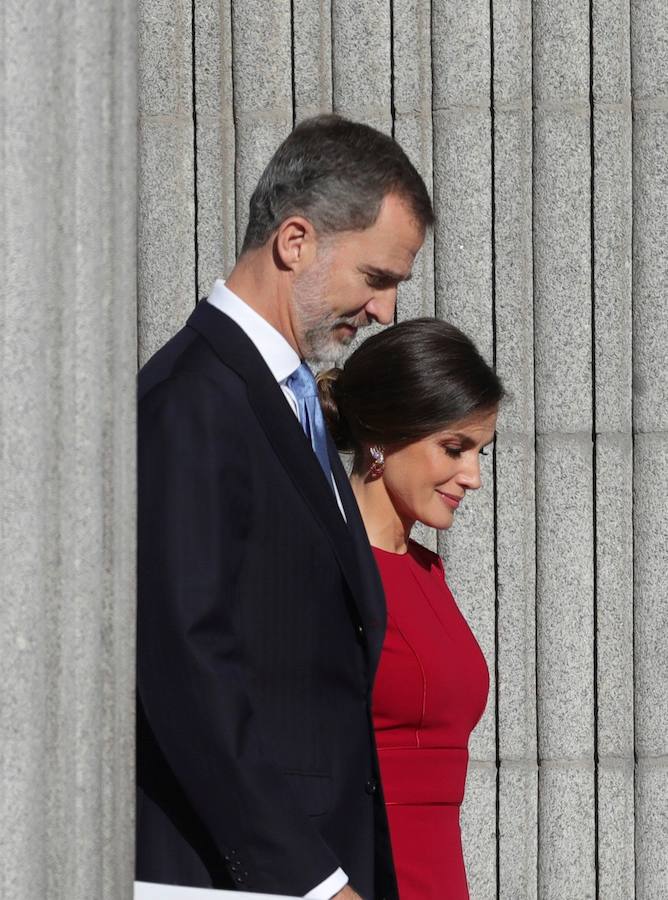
(406, 383)
(336, 173)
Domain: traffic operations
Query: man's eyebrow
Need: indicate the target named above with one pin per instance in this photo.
(385, 273)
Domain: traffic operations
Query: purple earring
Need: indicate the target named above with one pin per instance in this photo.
(378, 464)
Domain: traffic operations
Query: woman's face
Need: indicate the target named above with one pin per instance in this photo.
(427, 480)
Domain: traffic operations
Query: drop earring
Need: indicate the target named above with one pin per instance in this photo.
(378, 464)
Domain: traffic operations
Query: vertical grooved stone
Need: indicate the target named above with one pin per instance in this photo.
(166, 226)
(413, 130)
(478, 816)
(216, 231)
(616, 863)
(516, 596)
(562, 271)
(361, 61)
(614, 594)
(650, 270)
(565, 603)
(566, 856)
(650, 526)
(263, 101)
(67, 366)
(462, 238)
(467, 549)
(651, 829)
(312, 36)
(518, 825)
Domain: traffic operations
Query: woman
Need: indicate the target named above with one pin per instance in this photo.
(417, 404)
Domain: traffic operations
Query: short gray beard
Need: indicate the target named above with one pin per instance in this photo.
(315, 320)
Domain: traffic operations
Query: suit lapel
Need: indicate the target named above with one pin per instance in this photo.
(286, 436)
(372, 596)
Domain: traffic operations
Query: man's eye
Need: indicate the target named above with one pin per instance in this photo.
(379, 282)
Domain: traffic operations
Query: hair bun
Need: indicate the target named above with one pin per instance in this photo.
(329, 388)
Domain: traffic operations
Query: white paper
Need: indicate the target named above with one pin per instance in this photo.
(145, 890)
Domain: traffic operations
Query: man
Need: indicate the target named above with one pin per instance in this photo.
(261, 616)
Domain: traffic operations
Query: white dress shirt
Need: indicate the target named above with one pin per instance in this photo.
(282, 361)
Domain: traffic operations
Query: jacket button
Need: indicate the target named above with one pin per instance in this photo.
(360, 629)
(371, 786)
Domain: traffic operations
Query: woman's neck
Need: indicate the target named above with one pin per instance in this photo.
(385, 528)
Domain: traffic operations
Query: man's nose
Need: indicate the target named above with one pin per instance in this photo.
(382, 306)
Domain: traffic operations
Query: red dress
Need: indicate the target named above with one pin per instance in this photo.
(430, 692)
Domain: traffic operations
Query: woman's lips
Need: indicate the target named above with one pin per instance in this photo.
(450, 499)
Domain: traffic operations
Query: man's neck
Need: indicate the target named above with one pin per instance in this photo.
(255, 280)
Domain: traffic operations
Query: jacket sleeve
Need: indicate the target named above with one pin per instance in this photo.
(194, 489)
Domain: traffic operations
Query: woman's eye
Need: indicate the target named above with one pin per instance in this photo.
(454, 452)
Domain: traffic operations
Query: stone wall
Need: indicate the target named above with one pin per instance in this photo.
(542, 128)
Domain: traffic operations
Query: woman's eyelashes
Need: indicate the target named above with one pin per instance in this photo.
(456, 452)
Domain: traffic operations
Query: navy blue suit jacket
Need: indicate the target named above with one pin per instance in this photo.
(260, 623)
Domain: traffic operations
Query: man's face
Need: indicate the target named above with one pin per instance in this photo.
(353, 281)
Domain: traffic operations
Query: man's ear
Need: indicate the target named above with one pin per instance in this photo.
(295, 244)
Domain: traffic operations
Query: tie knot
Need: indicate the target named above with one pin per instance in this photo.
(302, 383)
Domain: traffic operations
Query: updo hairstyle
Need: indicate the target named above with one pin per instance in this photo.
(405, 383)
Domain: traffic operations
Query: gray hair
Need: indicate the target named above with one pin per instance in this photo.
(335, 173)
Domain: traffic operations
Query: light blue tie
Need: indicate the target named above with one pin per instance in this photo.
(303, 386)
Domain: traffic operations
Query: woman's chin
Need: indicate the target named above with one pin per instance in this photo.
(441, 522)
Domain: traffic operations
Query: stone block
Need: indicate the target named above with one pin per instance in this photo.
(257, 140)
(649, 48)
(651, 845)
(165, 57)
(478, 821)
(612, 268)
(416, 298)
(650, 270)
(412, 58)
(462, 234)
(312, 59)
(361, 61)
(516, 595)
(262, 32)
(612, 51)
(565, 601)
(166, 232)
(614, 593)
(461, 54)
(650, 518)
(560, 52)
(513, 268)
(562, 272)
(413, 132)
(216, 151)
(216, 227)
(518, 830)
(468, 553)
(616, 863)
(566, 852)
(512, 54)
(213, 59)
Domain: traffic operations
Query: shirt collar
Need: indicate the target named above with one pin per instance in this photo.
(272, 346)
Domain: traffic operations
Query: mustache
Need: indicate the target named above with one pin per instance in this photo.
(358, 320)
